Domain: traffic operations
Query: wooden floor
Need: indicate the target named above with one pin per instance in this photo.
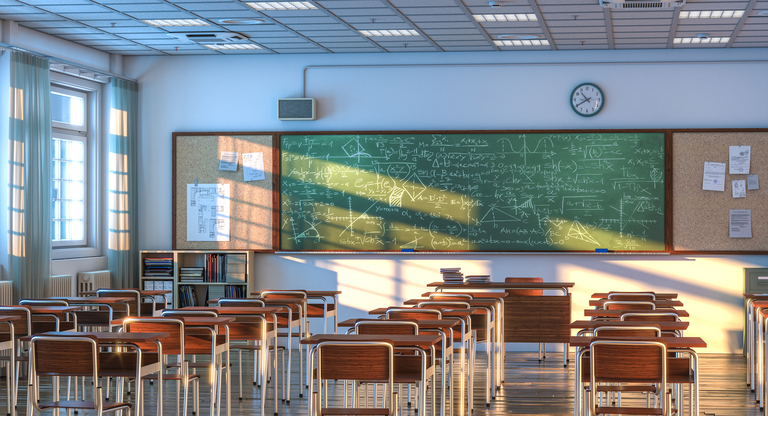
(531, 388)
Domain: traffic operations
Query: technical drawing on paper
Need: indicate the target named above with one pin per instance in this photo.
(208, 212)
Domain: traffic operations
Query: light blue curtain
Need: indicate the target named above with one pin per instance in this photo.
(29, 244)
(123, 255)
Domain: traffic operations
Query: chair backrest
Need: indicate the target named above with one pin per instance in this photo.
(173, 344)
(617, 361)
(65, 356)
(443, 304)
(250, 302)
(362, 361)
(133, 304)
(525, 292)
(402, 327)
(43, 302)
(185, 313)
(22, 326)
(450, 296)
(632, 296)
(284, 294)
(47, 322)
(407, 313)
(628, 305)
(650, 316)
(634, 331)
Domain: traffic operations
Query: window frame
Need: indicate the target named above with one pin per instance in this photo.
(91, 246)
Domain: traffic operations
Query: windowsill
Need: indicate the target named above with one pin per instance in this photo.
(74, 252)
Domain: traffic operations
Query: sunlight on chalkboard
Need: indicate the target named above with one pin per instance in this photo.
(389, 188)
(576, 235)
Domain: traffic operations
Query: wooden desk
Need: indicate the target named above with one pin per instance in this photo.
(427, 343)
(663, 303)
(97, 301)
(580, 342)
(617, 313)
(662, 325)
(659, 296)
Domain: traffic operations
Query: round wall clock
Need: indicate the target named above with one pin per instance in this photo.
(587, 99)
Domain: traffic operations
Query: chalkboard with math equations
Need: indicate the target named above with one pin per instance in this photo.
(473, 192)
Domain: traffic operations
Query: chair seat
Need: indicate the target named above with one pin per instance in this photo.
(107, 406)
(354, 411)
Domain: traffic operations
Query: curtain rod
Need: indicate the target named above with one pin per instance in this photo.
(75, 69)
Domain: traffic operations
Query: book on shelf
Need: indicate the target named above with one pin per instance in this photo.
(158, 266)
(235, 291)
(187, 296)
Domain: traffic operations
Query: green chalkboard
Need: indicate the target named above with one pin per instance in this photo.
(473, 192)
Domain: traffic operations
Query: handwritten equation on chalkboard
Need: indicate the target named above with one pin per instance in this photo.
(473, 192)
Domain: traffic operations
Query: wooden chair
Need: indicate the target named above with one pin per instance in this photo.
(528, 292)
(635, 362)
(51, 322)
(58, 356)
(412, 367)
(357, 361)
(174, 344)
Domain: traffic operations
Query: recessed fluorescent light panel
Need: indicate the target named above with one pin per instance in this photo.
(177, 23)
(268, 6)
(374, 33)
(535, 42)
(711, 14)
(232, 46)
(505, 17)
(695, 40)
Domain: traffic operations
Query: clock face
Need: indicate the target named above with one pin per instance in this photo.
(587, 100)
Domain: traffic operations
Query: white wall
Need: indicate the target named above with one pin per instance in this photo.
(483, 91)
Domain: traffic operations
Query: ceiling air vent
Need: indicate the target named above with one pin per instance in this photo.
(210, 38)
(641, 4)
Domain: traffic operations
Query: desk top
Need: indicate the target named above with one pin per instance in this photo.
(142, 292)
(310, 293)
(760, 303)
(444, 313)
(235, 310)
(475, 302)
(658, 302)
(422, 323)
(756, 295)
(617, 313)
(191, 321)
(424, 341)
(107, 337)
(92, 300)
(659, 296)
(662, 325)
(505, 285)
(672, 342)
(34, 309)
(476, 294)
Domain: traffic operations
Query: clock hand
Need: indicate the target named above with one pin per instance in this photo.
(585, 100)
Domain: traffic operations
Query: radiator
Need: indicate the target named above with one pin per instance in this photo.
(93, 280)
(61, 286)
(6, 293)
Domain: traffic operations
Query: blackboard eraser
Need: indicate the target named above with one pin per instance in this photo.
(601, 250)
(407, 250)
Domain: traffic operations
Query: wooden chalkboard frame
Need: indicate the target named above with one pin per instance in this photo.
(669, 176)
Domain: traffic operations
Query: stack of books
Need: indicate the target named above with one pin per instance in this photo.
(158, 267)
(478, 279)
(187, 296)
(191, 274)
(452, 275)
(215, 268)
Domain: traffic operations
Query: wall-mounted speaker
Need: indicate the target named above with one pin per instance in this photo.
(296, 109)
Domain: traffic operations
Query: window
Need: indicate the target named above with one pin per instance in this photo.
(68, 114)
(74, 152)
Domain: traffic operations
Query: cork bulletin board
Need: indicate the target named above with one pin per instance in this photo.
(700, 218)
(196, 158)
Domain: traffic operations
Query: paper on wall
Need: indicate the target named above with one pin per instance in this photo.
(739, 189)
(253, 166)
(714, 176)
(740, 223)
(752, 182)
(228, 161)
(208, 212)
(738, 156)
